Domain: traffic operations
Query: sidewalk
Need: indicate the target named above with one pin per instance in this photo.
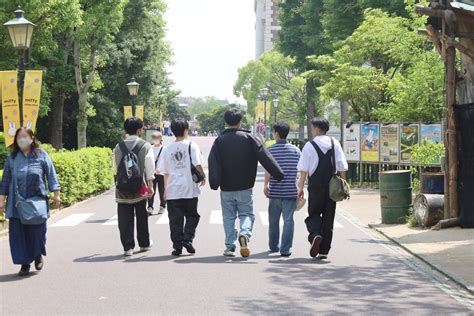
(451, 251)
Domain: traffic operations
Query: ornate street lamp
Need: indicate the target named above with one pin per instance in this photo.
(276, 102)
(133, 87)
(21, 32)
(263, 96)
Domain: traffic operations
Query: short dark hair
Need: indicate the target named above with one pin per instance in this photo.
(132, 125)
(178, 126)
(282, 128)
(321, 123)
(233, 117)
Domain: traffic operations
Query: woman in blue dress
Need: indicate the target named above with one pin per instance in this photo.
(34, 175)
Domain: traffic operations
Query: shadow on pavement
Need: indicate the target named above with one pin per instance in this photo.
(15, 277)
(97, 258)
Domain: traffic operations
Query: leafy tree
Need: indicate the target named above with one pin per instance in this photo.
(173, 111)
(213, 121)
(201, 105)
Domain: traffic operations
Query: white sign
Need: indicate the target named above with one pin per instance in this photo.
(352, 142)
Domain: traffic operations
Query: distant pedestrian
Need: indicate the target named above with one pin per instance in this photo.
(316, 162)
(28, 174)
(283, 195)
(159, 181)
(166, 128)
(135, 171)
(233, 167)
(181, 166)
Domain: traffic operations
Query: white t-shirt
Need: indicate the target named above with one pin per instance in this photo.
(309, 159)
(156, 152)
(175, 163)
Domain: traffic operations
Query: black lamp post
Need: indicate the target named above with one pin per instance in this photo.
(264, 96)
(133, 87)
(276, 102)
(21, 32)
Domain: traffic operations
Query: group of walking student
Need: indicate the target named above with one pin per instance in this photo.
(176, 171)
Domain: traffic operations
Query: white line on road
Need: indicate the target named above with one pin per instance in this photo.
(264, 218)
(72, 220)
(113, 221)
(163, 220)
(216, 217)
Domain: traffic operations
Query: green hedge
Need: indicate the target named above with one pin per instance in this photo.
(83, 173)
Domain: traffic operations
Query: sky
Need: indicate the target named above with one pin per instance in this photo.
(210, 39)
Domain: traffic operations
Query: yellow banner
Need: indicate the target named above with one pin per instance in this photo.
(139, 111)
(10, 105)
(127, 111)
(260, 111)
(31, 97)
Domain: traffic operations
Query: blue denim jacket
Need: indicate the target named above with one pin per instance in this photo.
(35, 172)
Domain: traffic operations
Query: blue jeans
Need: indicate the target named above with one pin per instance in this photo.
(281, 208)
(237, 203)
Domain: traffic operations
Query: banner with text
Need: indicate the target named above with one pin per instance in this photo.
(409, 139)
(352, 142)
(260, 111)
(127, 111)
(389, 143)
(370, 137)
(139, 112)
(31, 97)
(10, 105)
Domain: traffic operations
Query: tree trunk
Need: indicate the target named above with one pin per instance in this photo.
(301, 131)
(311, 96)
(465, 88)
(56, 127)
(82, 121)
(344, 117)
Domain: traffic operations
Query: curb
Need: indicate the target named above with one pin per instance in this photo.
(4, 225)
(457, 279)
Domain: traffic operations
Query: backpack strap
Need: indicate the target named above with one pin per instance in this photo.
(138, 147)
(123, 148)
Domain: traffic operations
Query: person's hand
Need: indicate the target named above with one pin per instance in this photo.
(151, 192)
(266, 191)
(57, 200)
(157, 172)
(301, 194)
(202, 183)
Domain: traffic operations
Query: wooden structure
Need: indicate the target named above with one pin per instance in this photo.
(451, 29)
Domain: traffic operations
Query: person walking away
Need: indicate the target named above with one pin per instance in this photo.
(166, 128)
(159, 181)
(135, 171)
(316, 163)
(282, 195)
(233, 164)
(28, 174)
(181, 190)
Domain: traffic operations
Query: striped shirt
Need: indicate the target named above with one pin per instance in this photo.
(287, 157)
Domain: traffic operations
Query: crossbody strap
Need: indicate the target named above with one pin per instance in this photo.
(333, 157)
(190, 156)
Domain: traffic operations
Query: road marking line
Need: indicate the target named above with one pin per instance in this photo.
(216, 217)
(113, 221)
(72, 220)
(163, 220)
(264, 218)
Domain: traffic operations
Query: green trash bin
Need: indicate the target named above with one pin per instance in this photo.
(395, 196)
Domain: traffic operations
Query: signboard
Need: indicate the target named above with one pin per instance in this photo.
(260, 111)
(409, 138)
(31, 97)
(389, 143)
(431, 133)
(127, 111)
(139, 112)
(10, 105)
(370, 142)
(352, 142)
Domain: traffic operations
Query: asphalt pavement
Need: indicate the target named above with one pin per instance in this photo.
(85, 271)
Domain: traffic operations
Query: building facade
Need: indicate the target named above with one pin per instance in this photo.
(266, 26)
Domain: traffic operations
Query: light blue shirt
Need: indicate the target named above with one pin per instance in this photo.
(34, 172)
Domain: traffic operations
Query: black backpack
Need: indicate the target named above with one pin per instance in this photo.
(129, 176)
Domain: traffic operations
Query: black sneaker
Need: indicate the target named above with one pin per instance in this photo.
(25, 270)
(322, 256)
(313, 252)
(39, 263)
(189, 247)
(286, 255)
(177, 252)
(244, 246)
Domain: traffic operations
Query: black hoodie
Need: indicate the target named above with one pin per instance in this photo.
(234, 159)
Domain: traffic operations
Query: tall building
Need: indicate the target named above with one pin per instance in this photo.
(266, 26)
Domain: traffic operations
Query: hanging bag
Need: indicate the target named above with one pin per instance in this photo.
(339, 189)
(31, 211)
(197, 176)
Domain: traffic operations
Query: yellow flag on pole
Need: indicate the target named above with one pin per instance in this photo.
(127, 111)
(139, 111)
(10, 105)
(31, 97)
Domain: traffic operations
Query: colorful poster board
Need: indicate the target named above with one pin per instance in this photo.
(127, 111)
(431, 133)
(409, 139)
(139, 111)
(389, 143)
(31, 97)
(10, 105)
(351, 142)
(370, 142)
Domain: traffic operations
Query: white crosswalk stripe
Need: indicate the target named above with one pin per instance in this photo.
(163, 220)
(72, 220)
(264, 218)
(216, 217)
(113, 221)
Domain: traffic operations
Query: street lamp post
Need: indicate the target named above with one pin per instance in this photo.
(133, 87)
(21, 32)
(264, 96)
(275, 106)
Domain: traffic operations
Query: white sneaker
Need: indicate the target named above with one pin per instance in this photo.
(151, 211)
(162, 210)
(128, 253)
(147, 248)
(229, 252)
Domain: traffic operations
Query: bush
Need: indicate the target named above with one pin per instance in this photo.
(4, 152)
(83, 173)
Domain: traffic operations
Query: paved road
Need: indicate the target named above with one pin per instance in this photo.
(85, 272)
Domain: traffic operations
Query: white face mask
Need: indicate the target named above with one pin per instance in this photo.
(24, 142)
